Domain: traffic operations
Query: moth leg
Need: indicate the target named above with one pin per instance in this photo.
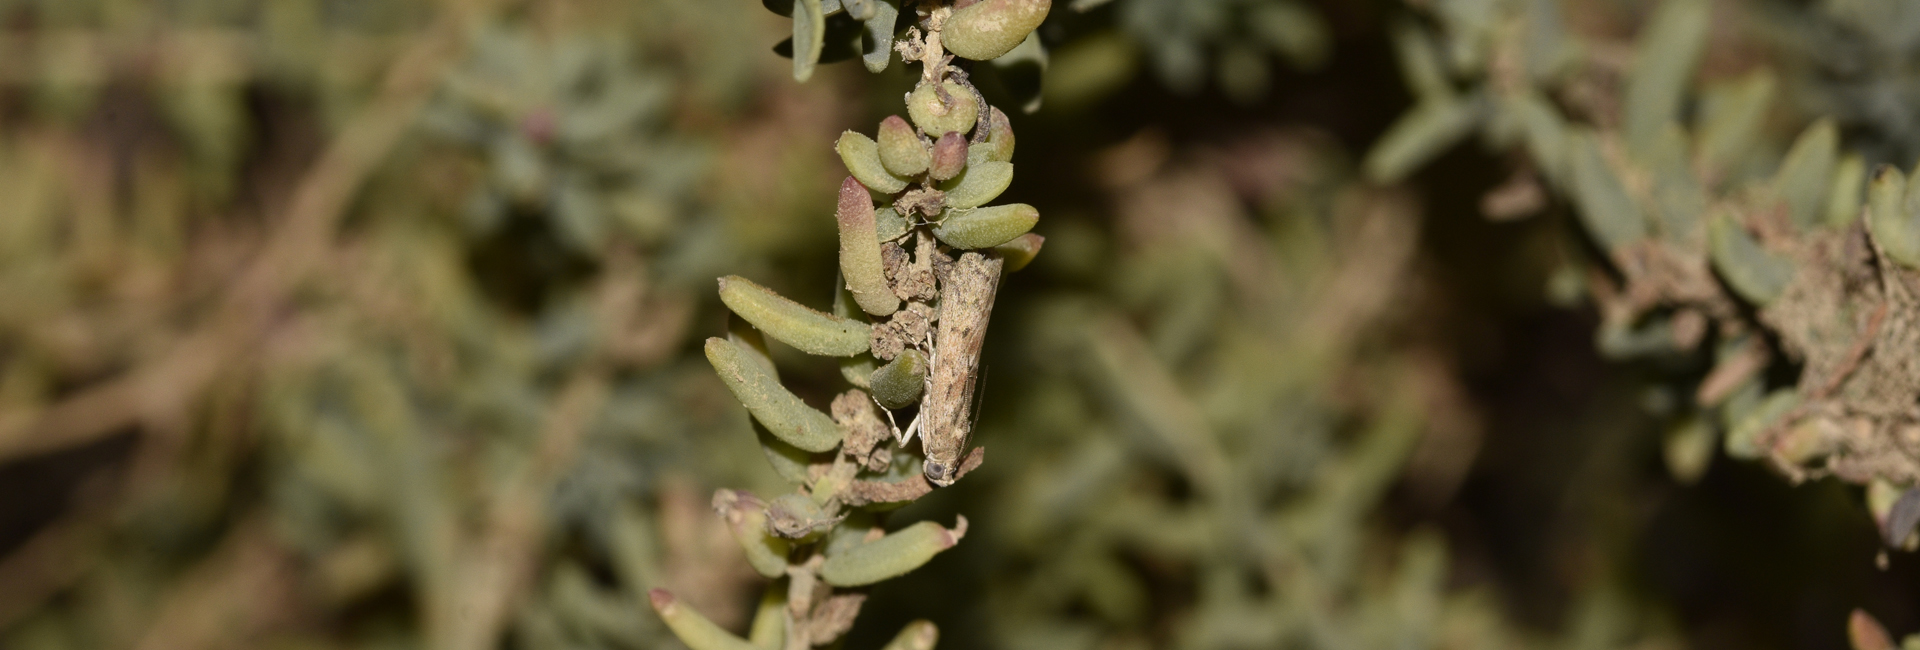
(912, 428)
(891, 423)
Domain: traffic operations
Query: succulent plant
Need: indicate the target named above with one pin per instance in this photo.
(1732, 252)
(920, 266)
(329, 323)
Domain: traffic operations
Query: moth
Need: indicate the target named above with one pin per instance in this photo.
(966, 302)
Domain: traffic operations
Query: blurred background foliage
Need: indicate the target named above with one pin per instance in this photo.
(375, 323)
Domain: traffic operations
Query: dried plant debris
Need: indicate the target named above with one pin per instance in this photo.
(919, 274)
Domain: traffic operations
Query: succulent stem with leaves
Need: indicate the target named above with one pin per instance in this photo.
(1777, 273)
(921, 257)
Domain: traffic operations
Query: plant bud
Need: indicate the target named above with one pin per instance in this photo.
(784, 414)
(1020, 251)
(901, 150)
(918, 635)
(746, 518)
(978, 184)
(692, 628)
(898, 384)
(949, 156)
(861, 155)
(934, 117)
(860, 251)
(990, 28)
(891, 556)
(986, 227)
(792, 323)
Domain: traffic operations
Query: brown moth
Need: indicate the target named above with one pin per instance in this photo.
(966, 302)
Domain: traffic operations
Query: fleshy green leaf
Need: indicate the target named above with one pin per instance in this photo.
(891, 556)
(986, 227)
(783, 413)
(1663, 63)
(809, 37)
(792, 323)
(1752, 271)
(1604, 206)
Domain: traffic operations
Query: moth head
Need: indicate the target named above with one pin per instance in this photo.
(939, 473)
